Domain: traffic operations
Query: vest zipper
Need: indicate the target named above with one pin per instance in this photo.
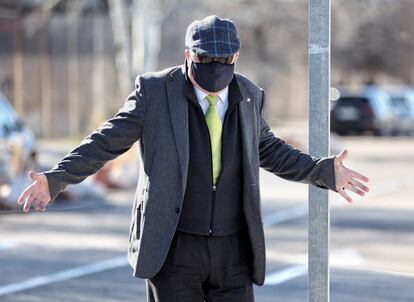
(210, 230)
(212, 210)
(214, 187)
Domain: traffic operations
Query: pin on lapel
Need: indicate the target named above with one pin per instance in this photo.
(248, 100)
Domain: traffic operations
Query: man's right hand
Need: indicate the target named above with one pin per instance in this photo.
(36, 195)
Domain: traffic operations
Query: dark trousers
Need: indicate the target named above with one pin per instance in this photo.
(204, 268)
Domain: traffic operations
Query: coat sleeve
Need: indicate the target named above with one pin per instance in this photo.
(113, 138)
(285, 161)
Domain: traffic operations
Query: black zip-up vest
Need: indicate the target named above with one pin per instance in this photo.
(207, 209)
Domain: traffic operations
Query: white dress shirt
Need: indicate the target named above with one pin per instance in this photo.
(222, 102)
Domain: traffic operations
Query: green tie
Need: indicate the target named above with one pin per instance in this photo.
(214, 126)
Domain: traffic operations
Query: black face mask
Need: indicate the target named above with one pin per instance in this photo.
(213, 76)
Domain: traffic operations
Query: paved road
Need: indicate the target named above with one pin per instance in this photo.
(76, 251)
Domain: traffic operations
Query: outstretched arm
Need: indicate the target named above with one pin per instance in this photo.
(114, 137)
(290, 163)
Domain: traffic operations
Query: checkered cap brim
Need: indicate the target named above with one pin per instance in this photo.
(213, 37)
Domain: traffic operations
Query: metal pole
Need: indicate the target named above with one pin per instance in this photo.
(319, 83)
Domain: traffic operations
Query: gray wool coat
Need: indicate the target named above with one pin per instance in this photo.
(155, 114)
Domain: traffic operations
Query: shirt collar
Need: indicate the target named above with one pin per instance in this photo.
(222, 96)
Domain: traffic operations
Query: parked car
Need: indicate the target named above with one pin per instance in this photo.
(17, 150)
(366, 109)
(402, 100)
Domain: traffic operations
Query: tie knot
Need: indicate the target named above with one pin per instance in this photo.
(212, 100)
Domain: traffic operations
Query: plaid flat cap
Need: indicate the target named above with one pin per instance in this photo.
(213, 37)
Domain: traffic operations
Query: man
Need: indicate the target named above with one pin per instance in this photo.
(196, 229)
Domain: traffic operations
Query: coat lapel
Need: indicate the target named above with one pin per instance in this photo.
(246, 121)
(179, 118)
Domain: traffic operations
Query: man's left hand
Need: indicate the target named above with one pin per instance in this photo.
(346, 179)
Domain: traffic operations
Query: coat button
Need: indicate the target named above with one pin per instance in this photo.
(177, 210)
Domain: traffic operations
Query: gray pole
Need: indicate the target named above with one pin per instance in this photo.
(319, 83)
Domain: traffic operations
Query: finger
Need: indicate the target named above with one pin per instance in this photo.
(27, 203)
(42, 206)
(358, 175)
(359, 185)
(33, 175)
(39, 198)
(355, 189)
(39, 205)
(23, 196)
(32, 201)
(345, 195)
(35, 204)
(342, 155)
(42, 200)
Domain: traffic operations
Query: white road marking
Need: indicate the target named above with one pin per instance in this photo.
(6, 245)
(285, 215)
(64, 275)
(286, 274)
(343, 257)
(346, 257)
(385, 271)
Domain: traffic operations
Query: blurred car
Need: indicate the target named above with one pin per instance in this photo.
(17, 150)
(402, 100)
(367, 109)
